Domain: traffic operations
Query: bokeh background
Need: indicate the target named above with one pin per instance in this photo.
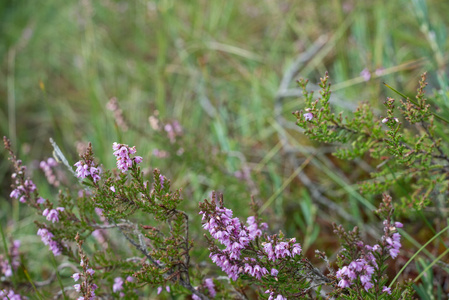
(199, 91)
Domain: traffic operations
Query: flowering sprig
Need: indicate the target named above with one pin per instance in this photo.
(87, 286)
(402, 153)
(122, 153)
(272, 262)
(10, 262)
(164, 245)
(87, 167)
(48, 239)
(362, 267)
(23, 188)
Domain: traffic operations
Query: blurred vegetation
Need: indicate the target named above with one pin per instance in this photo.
(216, 68)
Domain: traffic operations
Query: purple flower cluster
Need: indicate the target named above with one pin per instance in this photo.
(9, 295)
(85, 169)
(47, 239)
(52, 214)
(209, 283)
(22, 191)
(118, 284)
(281, 250)
(359, 268)
(366, 74)
(5, 267)
(363, 268)
(235, 237)
(123, 152)
(393, 242)
(47, 166)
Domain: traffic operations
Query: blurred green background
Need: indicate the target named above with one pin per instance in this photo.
(216, 68)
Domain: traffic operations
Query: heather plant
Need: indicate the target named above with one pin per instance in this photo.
(405, 142)
(123, 236)
(146, 215)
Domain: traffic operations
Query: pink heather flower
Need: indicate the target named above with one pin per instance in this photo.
(209, 283)
(132, 150)
(296, 249)
(308, 116)
(118, 284)
(15, 193)
(394, 244)
(47, 239)
(386, 290)
(195, 297)
(130, 279)
(379, 71)
(112, 188)
(76, 276)
(115, 146)
(365, 74)
(159, 290)
(274, 272)
(281, 250)
(84, 170)
(253, 227)
(269, 251)
(394, 252)
(122, 152)
(40, 200)
(384, 120)
(91, 272)
(77, 287)
(52, 162)
(344, 283)
(29, 185)
(398, 224)
(162, 179)
(367, 285)
(5, 267)
(358, 268)
(52, 214)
